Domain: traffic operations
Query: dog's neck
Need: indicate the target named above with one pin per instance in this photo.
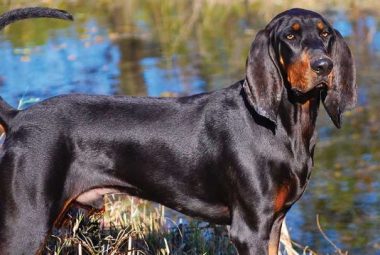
(298, 119)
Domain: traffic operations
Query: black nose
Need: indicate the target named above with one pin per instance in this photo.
(322, 66)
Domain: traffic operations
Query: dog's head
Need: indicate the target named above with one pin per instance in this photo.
(300, 51)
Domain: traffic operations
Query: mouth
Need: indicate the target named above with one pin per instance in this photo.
(321, 85)
(300, 96)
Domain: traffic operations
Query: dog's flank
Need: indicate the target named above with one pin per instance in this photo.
(32, 12)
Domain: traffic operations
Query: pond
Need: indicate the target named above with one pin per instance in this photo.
(176, 48)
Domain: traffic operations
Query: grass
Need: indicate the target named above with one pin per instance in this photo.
(133, 226)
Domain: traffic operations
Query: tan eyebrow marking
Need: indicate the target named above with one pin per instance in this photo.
(296, 26)
(320, 25)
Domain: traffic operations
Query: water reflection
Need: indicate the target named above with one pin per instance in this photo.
(139, 48)
(174, 80)
(66, 63)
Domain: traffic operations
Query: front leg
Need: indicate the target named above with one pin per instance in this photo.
(260, 205)
(257, 231)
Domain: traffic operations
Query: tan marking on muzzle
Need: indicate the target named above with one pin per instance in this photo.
(300, 73)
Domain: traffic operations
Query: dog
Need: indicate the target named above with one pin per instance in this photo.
(240, 156)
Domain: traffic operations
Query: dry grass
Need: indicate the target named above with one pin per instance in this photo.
(133, 226)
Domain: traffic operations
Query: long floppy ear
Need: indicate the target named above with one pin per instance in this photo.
(341, 95)
(263, 84)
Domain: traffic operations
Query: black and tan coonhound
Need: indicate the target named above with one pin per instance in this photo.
(240, 156)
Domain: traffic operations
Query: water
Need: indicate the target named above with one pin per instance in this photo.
(168, 48)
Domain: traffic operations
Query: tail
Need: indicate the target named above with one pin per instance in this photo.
(7, 113)
(32, 12)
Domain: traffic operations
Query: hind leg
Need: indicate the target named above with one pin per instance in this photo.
(24, 230)
(32, 193)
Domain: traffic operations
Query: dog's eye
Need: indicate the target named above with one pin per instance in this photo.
(325, 34)
(290, 36)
